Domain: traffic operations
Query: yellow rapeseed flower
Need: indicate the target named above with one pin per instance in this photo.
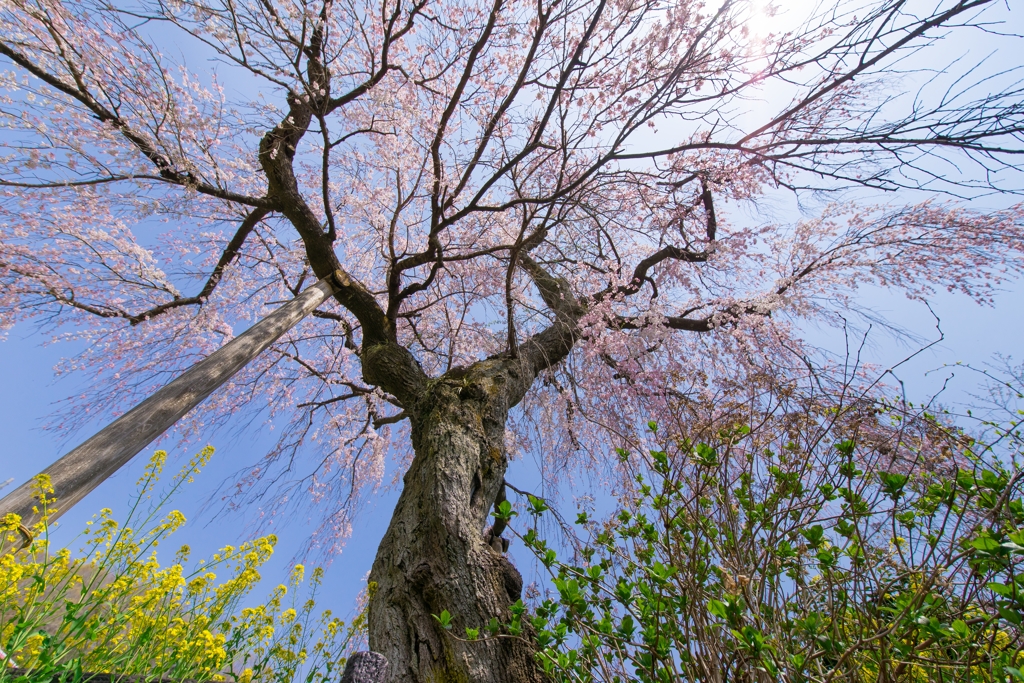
(114, 608)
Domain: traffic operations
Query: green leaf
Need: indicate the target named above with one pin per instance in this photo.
(660, 461)
(1013, 547)
(850, 470)
(993, 481)
(504, 511)
(892, 484)
(1010, 615)
(1000, 589)
(965, 480)
(661, 572)
(718, 609)
(624, 592)
(986, 544)
(769, 666)
(907, 518)
(814, 535)
(846, 529)
(444, 618)
(537, 505)
(472, 633)
(846, 447)
(706, 456)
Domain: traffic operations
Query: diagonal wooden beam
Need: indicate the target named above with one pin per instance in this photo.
(88, 465)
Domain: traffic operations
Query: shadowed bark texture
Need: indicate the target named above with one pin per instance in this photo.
(436, 554)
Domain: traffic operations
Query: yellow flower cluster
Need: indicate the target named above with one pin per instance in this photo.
(113, 608)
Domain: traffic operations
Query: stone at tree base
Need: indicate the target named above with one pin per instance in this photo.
(366, 667)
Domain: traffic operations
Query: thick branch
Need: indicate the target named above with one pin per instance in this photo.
(548, 347)
(709, 211)
(687, 324)
(642, 268)
(385, 363)
(277, 153)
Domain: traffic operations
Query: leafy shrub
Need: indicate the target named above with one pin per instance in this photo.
(114, 609)
(797, 542)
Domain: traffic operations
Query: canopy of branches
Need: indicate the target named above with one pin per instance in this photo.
(543, 182)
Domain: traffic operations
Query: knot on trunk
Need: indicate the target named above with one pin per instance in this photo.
(493, 538)
(505, 574)
(366, 667)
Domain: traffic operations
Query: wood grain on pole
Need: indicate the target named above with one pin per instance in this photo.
(86, 467)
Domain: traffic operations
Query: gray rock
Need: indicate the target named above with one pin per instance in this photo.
(366, 667)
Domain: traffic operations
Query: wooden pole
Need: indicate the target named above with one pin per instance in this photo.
(86, 467)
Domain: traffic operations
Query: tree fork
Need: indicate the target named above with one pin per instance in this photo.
(91, 463)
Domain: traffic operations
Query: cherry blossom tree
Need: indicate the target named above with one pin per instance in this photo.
(523, 206)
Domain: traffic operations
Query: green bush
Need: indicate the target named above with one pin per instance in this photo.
(794, 543)
(112, 608)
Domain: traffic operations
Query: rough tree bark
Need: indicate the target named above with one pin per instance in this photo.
(435, 555)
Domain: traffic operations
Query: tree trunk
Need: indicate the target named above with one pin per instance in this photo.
(435, 556)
